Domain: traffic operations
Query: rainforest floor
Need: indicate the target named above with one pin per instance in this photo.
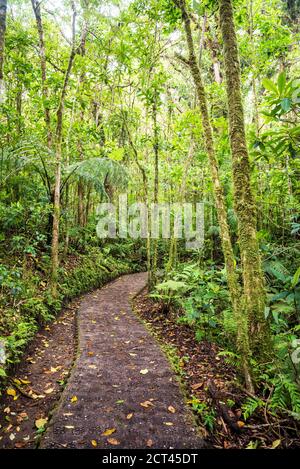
(38, 381)
(121, 391)
(212, 387)
(118, 370)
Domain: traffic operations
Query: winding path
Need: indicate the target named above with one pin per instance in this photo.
(121, 383)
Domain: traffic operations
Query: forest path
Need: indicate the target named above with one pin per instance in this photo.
(121, 392)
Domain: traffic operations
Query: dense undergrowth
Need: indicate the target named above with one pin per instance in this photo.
(26, 301)
(196, 292)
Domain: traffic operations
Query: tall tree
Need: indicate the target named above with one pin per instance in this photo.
(45, 92)
(253, 279)
(3, 9)
(58, 160)
(232, 278)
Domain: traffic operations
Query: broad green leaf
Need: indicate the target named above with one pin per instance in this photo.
(269, 85)
(286, 104)
(281, 82)
(295, 278)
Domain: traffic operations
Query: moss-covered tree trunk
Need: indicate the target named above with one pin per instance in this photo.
(232, 277)
(3, 8)
(253, 278)
(156, 183)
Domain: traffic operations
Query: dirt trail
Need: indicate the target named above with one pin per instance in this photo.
(122, 392)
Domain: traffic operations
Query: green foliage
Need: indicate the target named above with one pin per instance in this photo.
(98, 172)
(284, 96)
(206, 414)
(20, 320)
(200, 295)
(250, 406)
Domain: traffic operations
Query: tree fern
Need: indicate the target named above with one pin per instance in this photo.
(97, 171)
(274, 268)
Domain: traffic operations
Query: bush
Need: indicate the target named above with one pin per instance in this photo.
(27, 302)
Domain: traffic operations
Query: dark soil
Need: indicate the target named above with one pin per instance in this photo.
(38, 381)
(210, 380)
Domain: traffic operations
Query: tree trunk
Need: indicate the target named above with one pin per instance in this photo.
(3, 9)
(58, 159)
(156, 182)
(230, 264)
(39, 24)
(253, 279)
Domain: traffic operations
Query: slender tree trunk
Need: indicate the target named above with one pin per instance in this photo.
(3, 9)
(81, 217)
(42, 51)
(67, 221)
(58, 159)
(173, 242)
(146, 199)
(212, 43)
(253, 279)
(230, 264)
(156, 183)
(80, 191)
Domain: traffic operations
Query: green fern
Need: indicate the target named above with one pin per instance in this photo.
(276, 269)
(250, 406)
(286, 395)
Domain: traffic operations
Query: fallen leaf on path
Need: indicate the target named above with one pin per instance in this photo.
(20, 444)
(129, 416)
(240, 424)
(109, 432)
(12, 436)
(197, 386)
(144, 372)
(146, 404)
(40, 423)
(149, 443)
(171, 409)
(74, 399)
(276, 443)
(94, 443)
(11, 392)
(49, 390)
(52, 370)
(25, 381)
(113, 441)
(169, 424)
